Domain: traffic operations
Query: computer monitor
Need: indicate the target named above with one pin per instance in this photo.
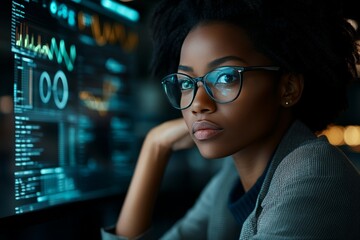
(66, 107)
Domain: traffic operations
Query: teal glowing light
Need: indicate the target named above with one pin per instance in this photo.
(121, 9)
(114, 66)
(59, 53)
(53, 7)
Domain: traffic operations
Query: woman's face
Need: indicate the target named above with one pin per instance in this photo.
(249, 122)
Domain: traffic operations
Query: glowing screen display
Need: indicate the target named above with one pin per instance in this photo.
(71, 120)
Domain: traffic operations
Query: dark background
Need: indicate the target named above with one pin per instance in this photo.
(185, 176)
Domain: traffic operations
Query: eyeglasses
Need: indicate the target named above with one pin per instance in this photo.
(222, 84)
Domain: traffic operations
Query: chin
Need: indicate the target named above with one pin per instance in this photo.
(211, 152)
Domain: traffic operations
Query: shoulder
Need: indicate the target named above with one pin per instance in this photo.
(302, 159)
(316, 169)
(314, 186)
(316, 157)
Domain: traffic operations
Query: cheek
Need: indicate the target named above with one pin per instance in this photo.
(259, 95)
(253, 113)
(258, 106)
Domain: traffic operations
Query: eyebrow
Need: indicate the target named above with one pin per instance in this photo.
(185, 68)
(213, 63)
(222, 60)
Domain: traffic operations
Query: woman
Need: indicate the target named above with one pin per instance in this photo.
(254, 80)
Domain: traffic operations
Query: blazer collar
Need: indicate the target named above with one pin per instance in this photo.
(296, 135)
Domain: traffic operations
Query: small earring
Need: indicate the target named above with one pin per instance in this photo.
(288, 102)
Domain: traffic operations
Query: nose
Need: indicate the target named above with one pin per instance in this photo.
(202, 103)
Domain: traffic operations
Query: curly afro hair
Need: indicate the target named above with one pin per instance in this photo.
(308, 37)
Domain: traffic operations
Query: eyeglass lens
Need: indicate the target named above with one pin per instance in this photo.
(222, 85)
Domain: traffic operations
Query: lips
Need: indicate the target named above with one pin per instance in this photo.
(204, 130)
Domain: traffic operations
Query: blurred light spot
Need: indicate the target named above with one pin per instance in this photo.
(115, 66)
(352, 135)
(122, 10)
(335, 135)
(6, 104)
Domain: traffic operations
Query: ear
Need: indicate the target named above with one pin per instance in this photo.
(292, 86)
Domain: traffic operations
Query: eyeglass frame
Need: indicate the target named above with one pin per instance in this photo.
(195, 80)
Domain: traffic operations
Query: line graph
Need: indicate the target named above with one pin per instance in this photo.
(101, 104)
(106, 32)
(60, 53)
(53, 51)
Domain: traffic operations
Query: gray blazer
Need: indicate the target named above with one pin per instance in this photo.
(311, 191)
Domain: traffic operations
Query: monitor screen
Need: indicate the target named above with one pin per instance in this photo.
(65, 102)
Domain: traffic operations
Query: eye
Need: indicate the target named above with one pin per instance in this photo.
(226, 78)
(186, 84)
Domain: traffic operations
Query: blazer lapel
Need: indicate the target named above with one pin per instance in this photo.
(296, 135)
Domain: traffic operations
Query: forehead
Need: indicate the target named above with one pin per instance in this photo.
(210, 41)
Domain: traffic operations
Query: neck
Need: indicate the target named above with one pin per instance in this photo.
(251, 168)
(253, 160)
